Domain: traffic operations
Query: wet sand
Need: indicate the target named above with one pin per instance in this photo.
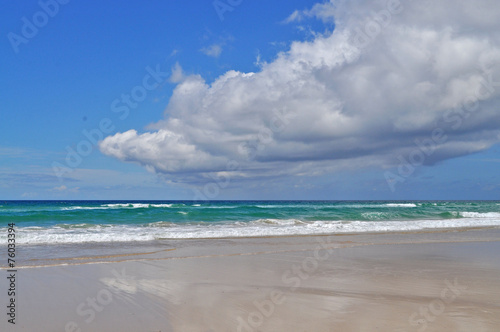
(436, 281)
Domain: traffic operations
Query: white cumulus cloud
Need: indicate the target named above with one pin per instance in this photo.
(388, 76)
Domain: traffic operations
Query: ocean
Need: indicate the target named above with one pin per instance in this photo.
(69, 222)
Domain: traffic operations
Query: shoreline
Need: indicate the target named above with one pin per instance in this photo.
(107, 252)
(443, 281)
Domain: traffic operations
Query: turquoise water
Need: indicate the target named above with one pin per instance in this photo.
(46, 222)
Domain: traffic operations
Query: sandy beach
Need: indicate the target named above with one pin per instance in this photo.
(436, 281)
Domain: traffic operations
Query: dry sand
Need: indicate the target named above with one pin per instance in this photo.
(438, 281)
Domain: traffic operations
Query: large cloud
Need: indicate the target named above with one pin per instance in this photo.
(389, 77)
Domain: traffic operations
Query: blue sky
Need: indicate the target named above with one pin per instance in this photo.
(249, 100)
